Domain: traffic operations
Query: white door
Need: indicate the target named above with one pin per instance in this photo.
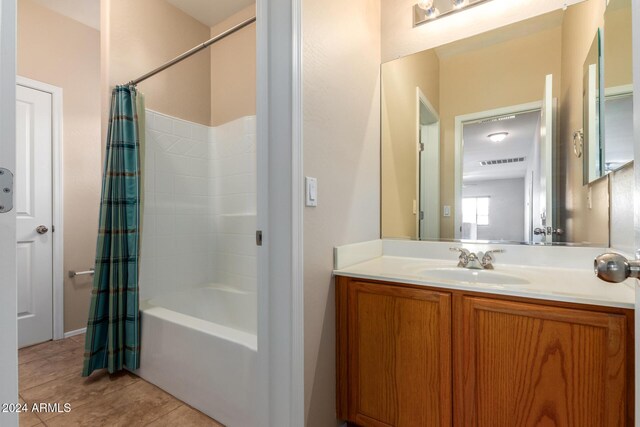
(33, 205)
(547, 136)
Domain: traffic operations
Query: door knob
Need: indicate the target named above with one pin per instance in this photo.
(41, 229)
(615, 268)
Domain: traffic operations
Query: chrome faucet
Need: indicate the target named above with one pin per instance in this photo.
(479, 261)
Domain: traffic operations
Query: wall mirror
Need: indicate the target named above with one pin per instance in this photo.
(592, 103)
(477, 135)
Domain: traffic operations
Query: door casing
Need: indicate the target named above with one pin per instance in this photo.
(8, 267)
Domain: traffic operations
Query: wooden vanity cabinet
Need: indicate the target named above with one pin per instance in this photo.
(417, 356)
(524, 364)
(398, 354)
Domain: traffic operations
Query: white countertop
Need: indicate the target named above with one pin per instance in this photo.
(546, 283)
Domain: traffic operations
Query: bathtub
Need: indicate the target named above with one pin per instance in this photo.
(200, 346)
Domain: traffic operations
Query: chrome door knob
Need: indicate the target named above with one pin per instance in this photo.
(41, 229)
(615, 268)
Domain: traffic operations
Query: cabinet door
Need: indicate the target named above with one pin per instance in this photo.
(532, 365)
(399, 347)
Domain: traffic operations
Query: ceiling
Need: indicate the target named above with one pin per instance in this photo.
(86, 12)
(211, 12)
(523, 129)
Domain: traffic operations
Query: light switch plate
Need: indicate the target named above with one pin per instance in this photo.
(446, 211)
(312, 191)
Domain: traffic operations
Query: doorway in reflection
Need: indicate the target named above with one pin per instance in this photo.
(501, 178)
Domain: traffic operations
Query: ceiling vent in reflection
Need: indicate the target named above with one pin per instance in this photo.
(502, 161)
(498, 119)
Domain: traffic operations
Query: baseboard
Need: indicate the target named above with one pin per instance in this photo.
(74, 333)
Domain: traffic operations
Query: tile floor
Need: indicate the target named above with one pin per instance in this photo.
(50, 373)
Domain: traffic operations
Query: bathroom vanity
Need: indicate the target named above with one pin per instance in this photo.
(421, 342)
(517, 139)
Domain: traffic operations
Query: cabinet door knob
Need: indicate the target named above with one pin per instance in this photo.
(41, 229)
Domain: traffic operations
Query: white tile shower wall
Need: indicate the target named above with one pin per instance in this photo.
(199, 205)
(234, 202)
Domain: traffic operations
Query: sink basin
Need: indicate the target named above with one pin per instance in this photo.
(472, 276)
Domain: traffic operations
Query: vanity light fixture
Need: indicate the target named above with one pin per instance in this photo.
(428, 10)
(498, 136)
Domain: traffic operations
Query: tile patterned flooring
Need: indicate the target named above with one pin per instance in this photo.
(50, 373)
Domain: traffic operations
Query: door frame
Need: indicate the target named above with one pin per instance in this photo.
(459, 147)
(280, 213)
(57, 199)
(635, 26)
(434, 203)
(8, 268)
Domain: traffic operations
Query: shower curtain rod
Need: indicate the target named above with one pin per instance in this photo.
(193, 50)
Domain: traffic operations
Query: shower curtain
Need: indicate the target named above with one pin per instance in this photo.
(113, 328)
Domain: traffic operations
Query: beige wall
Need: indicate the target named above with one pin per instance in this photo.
(143, 34)
(500, 75)
(617, 46)
(233, 70)
(399, 139)
(65, 53)
(342, 149)
(582, 224)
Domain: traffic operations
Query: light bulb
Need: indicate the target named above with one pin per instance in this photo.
(458, 4)
(425, 4)
(432, 13)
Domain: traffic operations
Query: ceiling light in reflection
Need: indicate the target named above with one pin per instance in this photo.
(498, 136)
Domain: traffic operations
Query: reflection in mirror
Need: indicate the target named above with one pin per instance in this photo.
(500, 195)
(591, 102)
(618, 86)
(476, 136)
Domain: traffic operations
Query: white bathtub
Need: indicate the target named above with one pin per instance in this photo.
(200, 346)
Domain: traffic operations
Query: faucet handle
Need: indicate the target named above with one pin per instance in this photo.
(488, 258)
(463, 259)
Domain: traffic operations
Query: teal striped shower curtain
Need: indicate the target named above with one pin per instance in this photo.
(113, 329)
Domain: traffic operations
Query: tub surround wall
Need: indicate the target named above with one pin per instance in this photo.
(47, 43)
(235, 199)
(199, 205)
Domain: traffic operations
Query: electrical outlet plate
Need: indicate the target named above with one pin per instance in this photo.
(6, 190)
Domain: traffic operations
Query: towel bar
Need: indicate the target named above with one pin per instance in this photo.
(81, 273)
